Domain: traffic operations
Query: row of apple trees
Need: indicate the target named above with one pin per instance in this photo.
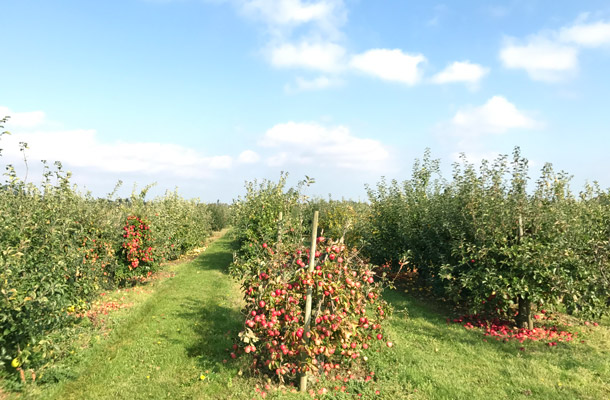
(59, 248)
(493, 240)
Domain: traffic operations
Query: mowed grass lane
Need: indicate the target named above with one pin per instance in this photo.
(163, 346)
(167, 343)
(433, 359)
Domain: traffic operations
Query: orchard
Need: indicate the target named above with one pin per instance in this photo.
(61, 248)
(486, 243)
(519, 264)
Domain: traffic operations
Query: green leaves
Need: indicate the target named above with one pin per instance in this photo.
(59, 248)
(268, 213)
(485, 232)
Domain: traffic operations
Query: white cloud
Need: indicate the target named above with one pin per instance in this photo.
(248, 157)
(314, 45)
(319, 83)
(83, 148)
(22, 119)
(307, 34)
(543, 59)
(328, 15)
(312, 143)
(317, 56)
(496, 116)
(553, 55)
(461, 71)
(216, 162)
(391, 65)
(594, 34)
(281, 158)
(475, 131)
(304, 34)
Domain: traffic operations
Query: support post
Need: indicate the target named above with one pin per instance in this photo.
(308, 301)
(525, 305)
(279, 227)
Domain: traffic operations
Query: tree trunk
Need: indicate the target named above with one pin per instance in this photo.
(524, 319)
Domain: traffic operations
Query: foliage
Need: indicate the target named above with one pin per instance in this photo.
(488, 244)
(59, 248)
(268, 213)
(347, 311)
(192, 313)
(184, 310)
(179, 225)
(346, 220)
(220, 215)
(271, 266)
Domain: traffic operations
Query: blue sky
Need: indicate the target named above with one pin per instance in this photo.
(205, 94)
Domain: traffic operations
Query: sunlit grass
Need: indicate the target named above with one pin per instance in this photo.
(171, 344)
(436, 360)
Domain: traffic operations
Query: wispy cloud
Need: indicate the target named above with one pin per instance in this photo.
(319, 83)
(552, 56)
(309, 143)
(301, 34)
(327, 57)
(541, 58)
(496, 116)
(461, 71)
(324, 17)
(308, 35)
(27, 119)
(391, 65)
(248, 157)
(594, 34)
(288, 145)
(440, 10)
(475, 130)
(84, 148)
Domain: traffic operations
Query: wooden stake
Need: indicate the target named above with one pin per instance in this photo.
(312, 263)
(279, 227)
(520, 228)
(525, 305)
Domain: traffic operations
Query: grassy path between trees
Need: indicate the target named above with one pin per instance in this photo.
(171, 344)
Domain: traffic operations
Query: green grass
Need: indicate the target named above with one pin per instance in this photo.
(179, 329)
(434, 360)
(160, 347)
